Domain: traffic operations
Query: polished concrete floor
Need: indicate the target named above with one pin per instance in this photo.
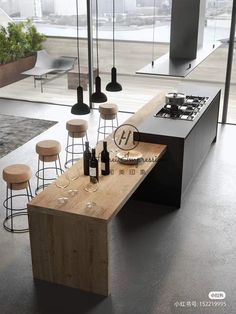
(163, 261)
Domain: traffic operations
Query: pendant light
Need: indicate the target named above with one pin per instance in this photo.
(153, 32)
(216, 7)
(113, 86)
(98, 96)
(80, 108)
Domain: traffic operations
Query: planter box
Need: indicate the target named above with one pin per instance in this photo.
(11, 72)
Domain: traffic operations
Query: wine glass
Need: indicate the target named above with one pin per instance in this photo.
(92, 186)
(90, 205)
(62, 182)
(72, 175)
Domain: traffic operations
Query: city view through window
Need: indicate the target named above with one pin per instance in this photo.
(134, 18)
(134, 32)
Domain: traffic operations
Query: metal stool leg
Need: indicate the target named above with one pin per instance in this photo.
(59, 161)
(99, 125)
(43, 175)
(73, 143)
(28, 194)
(11, 207)
(38, 170)
(7, 204)
(117, 123)
(56, 168)
(67, 145)
(104, 133)
(82, 143)
(30, 190)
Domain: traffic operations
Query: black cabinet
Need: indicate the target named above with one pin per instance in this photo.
(188, 143)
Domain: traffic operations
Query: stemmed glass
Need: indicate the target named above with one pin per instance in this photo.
(62, 182)
(73, 175)
(92, 186)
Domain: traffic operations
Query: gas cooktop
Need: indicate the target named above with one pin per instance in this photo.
(187, 111)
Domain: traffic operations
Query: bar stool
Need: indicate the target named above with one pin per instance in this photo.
(48, 151)
(77, 129)
(108, 112)
(17, 178)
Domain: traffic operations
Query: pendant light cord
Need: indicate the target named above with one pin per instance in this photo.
(153, 31)
(216, 6)
(77, 38)
(113, 32)
(97, 37)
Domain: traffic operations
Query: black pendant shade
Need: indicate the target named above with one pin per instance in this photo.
(113, 86)
(80, 108)
(98, 96)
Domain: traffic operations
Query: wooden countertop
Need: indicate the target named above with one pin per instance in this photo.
(113, 190)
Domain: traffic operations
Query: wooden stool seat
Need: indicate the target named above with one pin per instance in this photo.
(77, 130)
(17, 174)
(17, 177)
(77, 127)
(48, 150)
(108, 111)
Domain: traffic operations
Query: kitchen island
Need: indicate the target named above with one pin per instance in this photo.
(188, 143)
(70, 242)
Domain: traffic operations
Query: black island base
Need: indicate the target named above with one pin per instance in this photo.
(188, 141)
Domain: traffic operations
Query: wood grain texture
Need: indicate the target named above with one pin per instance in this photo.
(70, 242)
(69, 251)
(113, 190)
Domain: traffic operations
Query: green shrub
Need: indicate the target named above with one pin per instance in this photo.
(19, 40)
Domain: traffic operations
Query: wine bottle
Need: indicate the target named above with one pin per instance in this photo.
(93, 167)
(86, 159)
(105, 160)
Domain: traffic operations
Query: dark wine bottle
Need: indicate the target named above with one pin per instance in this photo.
(105, 160)
(86, 159)
(93, 167)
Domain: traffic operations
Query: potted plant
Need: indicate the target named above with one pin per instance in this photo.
(19, 43)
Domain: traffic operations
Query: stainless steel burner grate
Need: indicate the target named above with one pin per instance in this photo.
(188, 111)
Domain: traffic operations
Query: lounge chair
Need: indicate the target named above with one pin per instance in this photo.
(46, 64)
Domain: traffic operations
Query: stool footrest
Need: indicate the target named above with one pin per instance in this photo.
(38, 176)
(14, 230)
(12, 197)
(71, 161)
(69, 149)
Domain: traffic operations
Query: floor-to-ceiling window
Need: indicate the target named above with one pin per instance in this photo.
(137, 24)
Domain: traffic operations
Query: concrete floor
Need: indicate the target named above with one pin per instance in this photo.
(158, 256)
